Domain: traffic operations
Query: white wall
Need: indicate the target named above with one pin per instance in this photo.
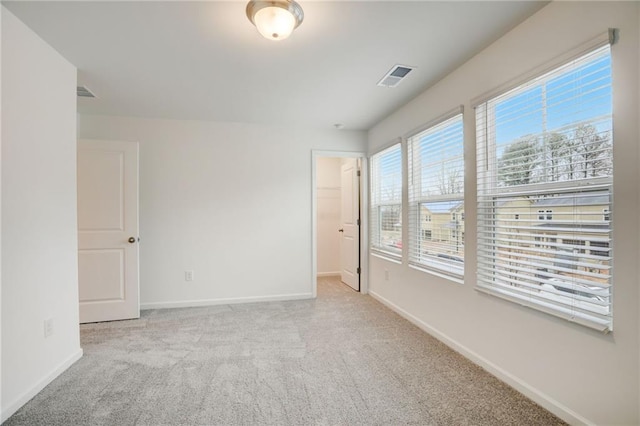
(39, 237)
(230, 201)
(579, 374)
(328, 190)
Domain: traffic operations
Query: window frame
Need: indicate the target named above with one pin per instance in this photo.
(376, 204)
(488, 189)
(449, 266)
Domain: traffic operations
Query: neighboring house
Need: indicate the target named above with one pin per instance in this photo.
(578, 222)
(590, 211)
(442, 222)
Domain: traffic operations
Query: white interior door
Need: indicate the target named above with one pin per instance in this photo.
(349, 222)
(108, 230)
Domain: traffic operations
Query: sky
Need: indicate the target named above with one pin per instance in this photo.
(556, 102)
(581, 94)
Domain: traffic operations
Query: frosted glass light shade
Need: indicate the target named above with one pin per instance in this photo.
(275, 19)
(274, 23)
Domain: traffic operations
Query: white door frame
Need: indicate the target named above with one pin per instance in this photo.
(364, 216)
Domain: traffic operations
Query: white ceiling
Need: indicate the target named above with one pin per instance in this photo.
(205, 61)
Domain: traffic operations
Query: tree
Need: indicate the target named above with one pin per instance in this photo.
(518, 161)
(390, 217)
(593, 150)
(558, 152)
(572, 162)
(450, 182)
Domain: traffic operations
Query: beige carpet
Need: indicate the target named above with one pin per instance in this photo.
(343, 359)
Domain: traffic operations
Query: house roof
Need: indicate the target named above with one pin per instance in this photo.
(584, 200)
(593, 199)
(443, 206)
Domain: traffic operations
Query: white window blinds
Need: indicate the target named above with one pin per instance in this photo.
(386, 202)
(436, 198)
(544, 154)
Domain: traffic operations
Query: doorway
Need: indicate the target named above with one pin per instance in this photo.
(339, 225)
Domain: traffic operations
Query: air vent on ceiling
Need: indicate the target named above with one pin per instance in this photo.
(83, 92)
(395, 76)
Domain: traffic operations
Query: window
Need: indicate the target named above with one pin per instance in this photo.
(606, 215)
(603, 251)
(436, 185)
(542, 214)
(386, 202)
(545, 155)
(576, 246)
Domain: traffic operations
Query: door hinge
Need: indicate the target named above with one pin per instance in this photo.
(358, 222)
(358, 172)
(358, 270)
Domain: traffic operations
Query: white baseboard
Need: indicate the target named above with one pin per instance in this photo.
(226, 301)
(328, 274)
(518, 384)
(11, 409)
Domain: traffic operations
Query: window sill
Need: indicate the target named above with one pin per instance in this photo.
(458, 279)
(591, 321)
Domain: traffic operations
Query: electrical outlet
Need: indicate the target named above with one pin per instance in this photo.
(386, 275)
(188, 275)
(48, 327)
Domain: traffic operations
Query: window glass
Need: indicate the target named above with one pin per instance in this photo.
(545, 158)
(436, 193)
(386, 202)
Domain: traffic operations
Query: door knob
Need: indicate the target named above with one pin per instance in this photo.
(340, 230)
(131, 240)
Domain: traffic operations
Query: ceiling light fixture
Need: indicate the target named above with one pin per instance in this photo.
(275, 19)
